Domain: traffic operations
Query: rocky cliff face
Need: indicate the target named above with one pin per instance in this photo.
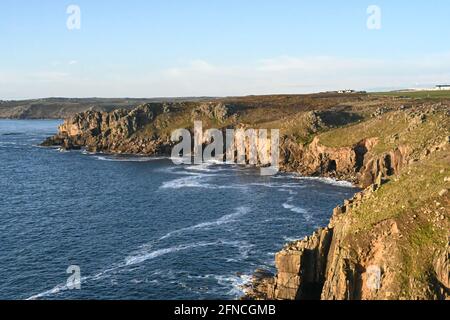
(111, 132)
(363, 160)
(357, 163)
(350, 260)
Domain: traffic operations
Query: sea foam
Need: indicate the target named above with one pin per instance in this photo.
(229, 218)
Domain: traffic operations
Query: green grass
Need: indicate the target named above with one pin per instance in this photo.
(411, 200)
(422, 236)
(392, 130)
(418, 254)
(417, 186)
(436, 94)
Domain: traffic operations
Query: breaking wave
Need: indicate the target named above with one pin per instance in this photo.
(229, 218)
(148, 253)
(293, 208)
(128, 159)
(192, 181)
(330, 181)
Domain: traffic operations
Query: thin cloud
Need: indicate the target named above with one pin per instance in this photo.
(49, 76)
(283, 74)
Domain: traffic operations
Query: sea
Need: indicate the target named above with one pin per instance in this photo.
(77, 225)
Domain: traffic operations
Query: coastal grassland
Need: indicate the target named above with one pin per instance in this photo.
(382, 128)
(419, 184)
(339, 122)
(426, 94)
(416, 201)
(165, 124)
(287, 113)
(393, 129)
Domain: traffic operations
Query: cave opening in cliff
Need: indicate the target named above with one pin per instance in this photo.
(332, 166)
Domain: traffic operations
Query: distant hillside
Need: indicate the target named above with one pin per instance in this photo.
(417, 94)
(61, 108)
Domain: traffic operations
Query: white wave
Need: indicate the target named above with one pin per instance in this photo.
(294, 208)
(288, 205)
(332, 181)
(55, 290)
(270, 220)
(85, 152)
(335, 182)
(205, 167)
(235, 283)
(215, 161)
(63, 287)
(291, 239)
(244, 249)
(144, 256)
(129, 261)
(141, 256)
(128, 159)
(193, 181)
(292, 193)
(177, 170)
(278, 185)
(285, 176)
(199, 167)
(229, 218)
(137, 281)
(198, 180)
(50, 292)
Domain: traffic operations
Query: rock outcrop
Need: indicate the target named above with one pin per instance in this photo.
(111, 132)
(357, 164)
(301, 270)
(215, 111)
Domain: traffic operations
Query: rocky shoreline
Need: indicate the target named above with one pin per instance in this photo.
(322, 267)
(390, 226)
(117, 132)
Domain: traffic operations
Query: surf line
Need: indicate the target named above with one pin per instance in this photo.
(243, 146)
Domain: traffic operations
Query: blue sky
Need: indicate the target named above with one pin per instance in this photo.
(219, 47)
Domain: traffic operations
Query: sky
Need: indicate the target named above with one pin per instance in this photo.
(168, 48)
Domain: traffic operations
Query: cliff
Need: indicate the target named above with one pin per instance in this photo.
(389, 242)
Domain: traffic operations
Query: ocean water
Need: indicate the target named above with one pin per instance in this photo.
(142, 228)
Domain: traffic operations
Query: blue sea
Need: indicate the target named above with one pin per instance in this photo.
(142, 227)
